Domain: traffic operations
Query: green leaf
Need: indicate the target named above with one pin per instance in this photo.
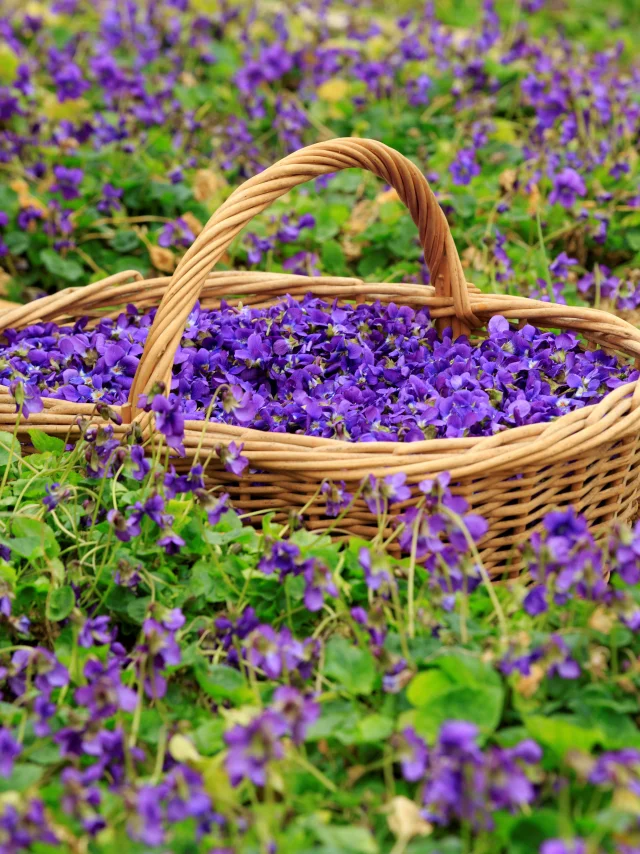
(222, 683)
(64, 268)
(328, 222)
(35, 529)
(424, 687)
(372, 729)
(465, 205)
(337, 718)
(17, 242)
(561, 733)
(460, 686)
(208, 737)
(125, 241)
(9, 62)
(525, 834)
(43, 443)
(6, 439)
(633, 239)
(137, 609)
(8, 199)
(23, 777)
(353, 668)
(373, 260)
(206, 580)
(60, 603)
(347, 839)
(333, 259)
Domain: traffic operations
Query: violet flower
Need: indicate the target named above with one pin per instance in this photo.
(252, 747)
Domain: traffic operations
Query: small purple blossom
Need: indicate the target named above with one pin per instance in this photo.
(253, 747)
(10, 749)
(232, 459)
(568, 185)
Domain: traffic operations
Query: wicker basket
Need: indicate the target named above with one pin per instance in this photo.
(588, 458)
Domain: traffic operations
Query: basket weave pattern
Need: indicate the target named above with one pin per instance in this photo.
(589, 458)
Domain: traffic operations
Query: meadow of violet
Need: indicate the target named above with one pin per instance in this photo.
(178, 676)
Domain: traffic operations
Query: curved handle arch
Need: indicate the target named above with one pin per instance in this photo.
(256, 194)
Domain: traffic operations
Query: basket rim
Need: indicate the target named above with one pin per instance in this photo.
(616, 414)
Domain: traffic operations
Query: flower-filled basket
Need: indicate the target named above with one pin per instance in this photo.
(512, 475)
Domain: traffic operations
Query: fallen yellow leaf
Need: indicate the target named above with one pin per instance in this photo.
(162, 259)
(333, 91)
(404, 819)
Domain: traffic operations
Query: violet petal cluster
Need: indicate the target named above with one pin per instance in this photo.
(356, 372)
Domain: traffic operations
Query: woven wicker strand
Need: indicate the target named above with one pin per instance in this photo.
(589, 458)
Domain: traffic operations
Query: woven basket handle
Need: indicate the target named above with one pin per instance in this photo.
(255, 195)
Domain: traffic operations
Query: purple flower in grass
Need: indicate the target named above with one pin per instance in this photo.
(624, 552)
(110, 200)
(127, 575)
(379, 494)
(54, 495)
(464, 783)
(67, 182)
(171, 542)
(141, 466)
(276, 652)
(252, 747)
(46, 672)
(159, 650)
(318, 583)
(464, 167)
(215, 507)
(104, 694)
(377, 571)
(43, 710)
(28, 217)
(24, 824)
(559, 661)
(125, 529)
(535, 601)
(81, 798)
(146, 825)
(567, 186)
(96, 631)
(618, 769)
(232, 459)
(338, 499)
(70, 84)
(298, 710)
(564, 846)
(565, 562)
(302, 264)
(559, 267)
(153, 508)
(412, 753)
(10, 749)
(282, 558)
(375, 622)
(176, 233)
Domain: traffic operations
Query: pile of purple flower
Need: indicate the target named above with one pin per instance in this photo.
(356, 372)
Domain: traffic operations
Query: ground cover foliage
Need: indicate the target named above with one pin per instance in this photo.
(177, 676)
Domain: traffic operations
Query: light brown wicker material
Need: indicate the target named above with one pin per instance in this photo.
(588, 458)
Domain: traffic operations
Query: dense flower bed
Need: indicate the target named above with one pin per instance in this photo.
(175, 679)
(123, 125)
(364, 373)
(172, 678)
